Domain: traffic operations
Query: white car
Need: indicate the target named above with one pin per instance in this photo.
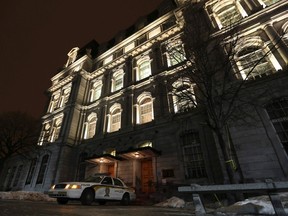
(98, 188)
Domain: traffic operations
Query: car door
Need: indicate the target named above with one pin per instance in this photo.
(118, 189)
(105, 189)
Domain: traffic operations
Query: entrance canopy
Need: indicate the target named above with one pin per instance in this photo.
(105, 159)
(139, 153)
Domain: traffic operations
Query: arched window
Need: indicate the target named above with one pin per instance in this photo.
(228, 12)
(42, 169)
(59, 98)
(45, 133)
(56, 129)
(65, 96)
(278, 113)
(253, 60)
(285, 33)
(183, 95)
(90, 126)
(114, 118)
(117, 80)
(144, 107)
(95, 91)
(175, 52)
(54, 102)
(31, 171)
(143, 68)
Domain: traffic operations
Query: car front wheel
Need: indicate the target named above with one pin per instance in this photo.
(87, 197)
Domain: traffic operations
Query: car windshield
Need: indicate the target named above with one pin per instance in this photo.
(96, 179)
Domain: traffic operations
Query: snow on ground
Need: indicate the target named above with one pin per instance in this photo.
(25, 195)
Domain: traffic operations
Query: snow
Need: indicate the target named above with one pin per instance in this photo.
(25, 195)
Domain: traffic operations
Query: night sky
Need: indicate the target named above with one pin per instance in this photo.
(36, 35)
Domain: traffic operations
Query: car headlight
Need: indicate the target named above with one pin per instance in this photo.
(73, 186)
(53, 187)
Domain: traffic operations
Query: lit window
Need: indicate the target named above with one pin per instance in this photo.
(193, 156)
(95, 92)
(44, 137)
(54, 102)
(108, 60)
(144, 68)
(55, 130)
(154, 32)
(65, 96)
(183, 95)
(175, 54)
(90, 126)
(278, 113)
(117, 80)
(254, 59)
(129, 47)
(59, 98)
(42, 169)
(267, 2)
(144, 108)
(114, 118)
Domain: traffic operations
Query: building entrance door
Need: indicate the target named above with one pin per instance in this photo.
(111, 170)
(147, 179)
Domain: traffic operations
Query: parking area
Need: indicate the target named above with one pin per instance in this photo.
(37, 208)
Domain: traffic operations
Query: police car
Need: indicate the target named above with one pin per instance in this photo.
(96, 188)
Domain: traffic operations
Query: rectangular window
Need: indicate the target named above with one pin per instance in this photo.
(118, 83)
(146, 113)
(129, 47)
(278, 113)
(145, 70)
(154, 32)
(116, 122)
(193, 157)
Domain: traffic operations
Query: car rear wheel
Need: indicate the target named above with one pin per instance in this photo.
(87, 197)
(62, 201)
(125, 199)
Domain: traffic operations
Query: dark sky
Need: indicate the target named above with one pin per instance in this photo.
(36, 35)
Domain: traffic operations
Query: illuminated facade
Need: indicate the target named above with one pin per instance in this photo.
(108, 112)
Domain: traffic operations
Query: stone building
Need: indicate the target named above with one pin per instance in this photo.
(110, 111)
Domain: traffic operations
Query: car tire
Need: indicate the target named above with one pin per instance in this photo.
(62, 201)
(125, 199)
(87, 196)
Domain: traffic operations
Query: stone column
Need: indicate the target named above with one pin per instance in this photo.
(277, 41)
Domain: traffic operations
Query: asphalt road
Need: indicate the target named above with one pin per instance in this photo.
(37, 208)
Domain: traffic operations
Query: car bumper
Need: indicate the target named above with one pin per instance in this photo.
(73, 194)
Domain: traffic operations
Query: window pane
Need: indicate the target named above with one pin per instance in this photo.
(193, 156)
(278, 114)
(144, 70)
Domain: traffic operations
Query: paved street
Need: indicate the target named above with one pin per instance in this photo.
(32, 208)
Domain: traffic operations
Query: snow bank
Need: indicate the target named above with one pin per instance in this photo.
(173, 202)
(25, 195)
